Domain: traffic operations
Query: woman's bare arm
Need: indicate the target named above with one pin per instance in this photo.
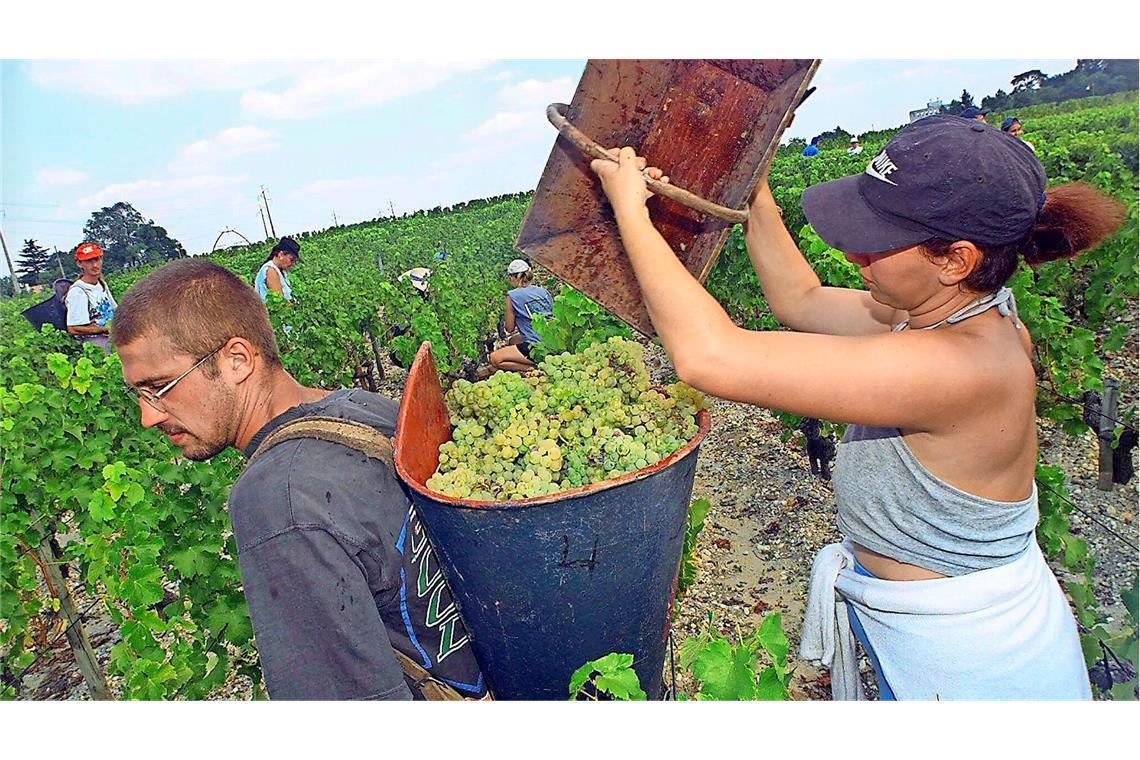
(793, 289)
(273, 280)
(916, 381)
(509, 317)
(87, 329)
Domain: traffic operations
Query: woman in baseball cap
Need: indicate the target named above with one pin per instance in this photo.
(273, 275)
(945, 586)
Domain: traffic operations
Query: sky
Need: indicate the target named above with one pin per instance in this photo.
(191, 143)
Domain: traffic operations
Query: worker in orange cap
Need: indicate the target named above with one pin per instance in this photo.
(90, 304)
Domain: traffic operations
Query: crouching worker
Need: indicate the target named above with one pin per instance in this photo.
(524, 300)
(345, 594)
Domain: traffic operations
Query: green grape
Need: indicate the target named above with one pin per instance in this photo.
(579, 419)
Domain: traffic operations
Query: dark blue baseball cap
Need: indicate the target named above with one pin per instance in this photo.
(940, 177)
(973, 113)
(290, 246)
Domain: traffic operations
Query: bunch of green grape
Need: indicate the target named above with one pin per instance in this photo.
(578, 419)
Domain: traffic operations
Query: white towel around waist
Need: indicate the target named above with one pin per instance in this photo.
(1002, 633)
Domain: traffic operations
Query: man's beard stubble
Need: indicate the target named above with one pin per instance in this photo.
(220, 416)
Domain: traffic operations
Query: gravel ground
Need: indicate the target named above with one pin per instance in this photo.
(769, 517)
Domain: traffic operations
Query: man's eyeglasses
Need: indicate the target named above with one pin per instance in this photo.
(154, 398)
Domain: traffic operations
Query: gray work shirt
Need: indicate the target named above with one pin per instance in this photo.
(337, 569)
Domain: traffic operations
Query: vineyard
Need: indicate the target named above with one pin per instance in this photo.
(141, 536)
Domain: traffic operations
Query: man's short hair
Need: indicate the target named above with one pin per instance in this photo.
(197, 305)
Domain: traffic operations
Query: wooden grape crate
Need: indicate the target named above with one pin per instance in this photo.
(712, 125)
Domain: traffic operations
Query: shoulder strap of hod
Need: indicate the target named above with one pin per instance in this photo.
(370, 441)
(429, 686)
(355, 435)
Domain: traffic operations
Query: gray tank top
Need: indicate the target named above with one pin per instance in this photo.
(890, 503)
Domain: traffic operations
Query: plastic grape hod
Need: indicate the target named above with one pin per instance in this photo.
(546, 584)
(713, 126)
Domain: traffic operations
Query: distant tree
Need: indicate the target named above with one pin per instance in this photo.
(156, 245)
(833, 137)
(34, 260)
(128, 239)
(966, 99)
(996, 102)
(1028, 80)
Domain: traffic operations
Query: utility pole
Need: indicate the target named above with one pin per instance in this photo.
(267, 212)
(261, 213)
(391, 208)
(11, 266)
(334, 219)
(59, 261)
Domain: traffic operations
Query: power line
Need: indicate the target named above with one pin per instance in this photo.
(44, 221)
(265, 200)
(1092, 517)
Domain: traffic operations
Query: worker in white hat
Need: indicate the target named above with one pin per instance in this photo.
(418, 277)
(855, 148)
(524, 300)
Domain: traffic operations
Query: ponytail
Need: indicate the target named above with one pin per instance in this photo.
(1074, 218)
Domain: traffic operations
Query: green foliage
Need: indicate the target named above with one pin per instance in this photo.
(576, 323)
(151, 537)
(1097, 636)
(727, 669)
(752, 668)
(149, 524)
(612, 676)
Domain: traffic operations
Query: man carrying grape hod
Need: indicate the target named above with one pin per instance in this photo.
(345, 594)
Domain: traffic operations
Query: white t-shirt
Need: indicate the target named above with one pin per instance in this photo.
(87, 303)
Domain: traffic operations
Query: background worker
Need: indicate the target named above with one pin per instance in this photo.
(944, 582)
(418, 278)
(524, 300)
(344, 590)
(1012, 125)
(90, 304)
(977, 114)
(855, 148)
(273, 273)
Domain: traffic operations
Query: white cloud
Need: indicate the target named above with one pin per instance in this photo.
(342, 86)
(532, 93)
(225, 146)
(524, 114)
(506, 122)
(159, 197)
(136, 81)
(59, 176)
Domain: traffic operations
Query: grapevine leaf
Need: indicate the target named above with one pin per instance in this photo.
(770, 687)
(726, 672)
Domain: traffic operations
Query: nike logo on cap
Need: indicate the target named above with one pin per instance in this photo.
(881, 167)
